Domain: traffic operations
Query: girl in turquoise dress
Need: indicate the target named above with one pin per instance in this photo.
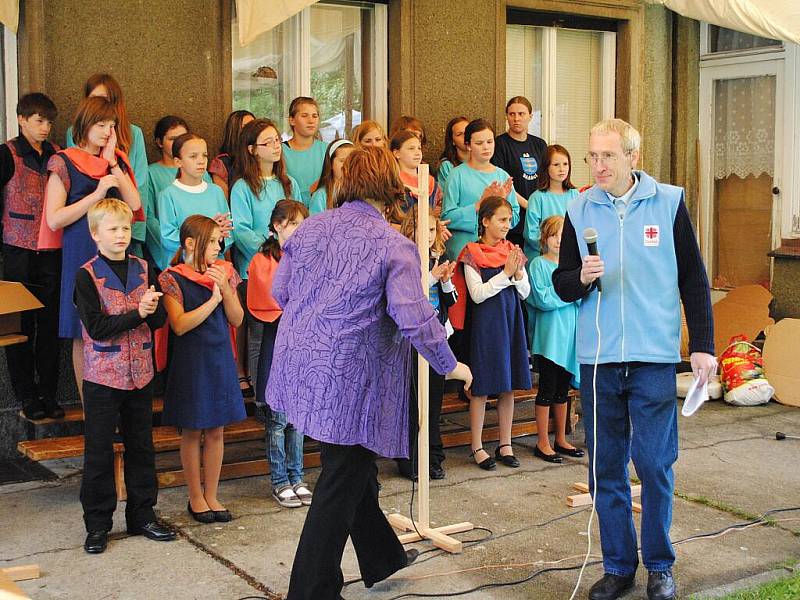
(554, 344)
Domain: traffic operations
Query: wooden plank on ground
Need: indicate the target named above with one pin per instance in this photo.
(22, 572)
(636, 490)
(10, 590)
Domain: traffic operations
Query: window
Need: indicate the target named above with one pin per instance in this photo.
(335, 53)
(568, 75)
(721, 39)
(8, 83)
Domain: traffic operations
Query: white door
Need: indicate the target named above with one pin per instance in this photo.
(741, 136)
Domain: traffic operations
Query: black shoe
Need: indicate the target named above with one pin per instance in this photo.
(407, 469)
(51, 407)
(207, 516)
(436, 472)
(611, 587)
(33, 409)
(411, 556)
(247, 391)
(222, 516)
(660, 585)
(154, 531)
(551, 458)
(487, 464)
(508, 460)
(96, 542)
(573, 452)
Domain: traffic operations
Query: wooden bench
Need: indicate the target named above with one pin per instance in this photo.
(167, 438)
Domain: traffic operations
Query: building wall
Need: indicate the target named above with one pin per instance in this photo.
(174, 58)
(441, 67)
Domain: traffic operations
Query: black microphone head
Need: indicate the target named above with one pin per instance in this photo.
(590, 235)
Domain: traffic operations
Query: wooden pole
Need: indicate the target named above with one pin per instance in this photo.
(421, 529)
(422, 378)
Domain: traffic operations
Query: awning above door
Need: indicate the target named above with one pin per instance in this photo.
(776, 19)
(9, 14)
(257, 16)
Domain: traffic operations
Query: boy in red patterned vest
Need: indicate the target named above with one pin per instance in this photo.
(23, 176)
(116, 295)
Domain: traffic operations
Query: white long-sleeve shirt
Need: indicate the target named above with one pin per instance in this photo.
(480, 290)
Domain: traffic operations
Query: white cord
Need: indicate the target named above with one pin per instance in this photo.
(594, 448)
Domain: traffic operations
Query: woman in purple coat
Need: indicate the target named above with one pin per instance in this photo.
(351, 292)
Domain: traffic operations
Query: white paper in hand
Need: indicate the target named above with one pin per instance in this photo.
(695, 398)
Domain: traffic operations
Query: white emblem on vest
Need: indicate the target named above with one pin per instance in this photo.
(651, 235)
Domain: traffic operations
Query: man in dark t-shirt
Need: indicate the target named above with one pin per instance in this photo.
(519, 154)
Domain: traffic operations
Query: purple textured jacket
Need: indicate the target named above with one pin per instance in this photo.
(351, 292)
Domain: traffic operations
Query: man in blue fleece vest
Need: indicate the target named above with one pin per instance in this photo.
(649, 262)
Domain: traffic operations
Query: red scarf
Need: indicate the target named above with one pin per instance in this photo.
(97, 167)
(162, 334)
(478, 256)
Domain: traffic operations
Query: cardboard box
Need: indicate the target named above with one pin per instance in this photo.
(14, 299)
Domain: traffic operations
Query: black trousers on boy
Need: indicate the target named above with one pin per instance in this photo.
(104, 408)
(345, 505)
(40, 272)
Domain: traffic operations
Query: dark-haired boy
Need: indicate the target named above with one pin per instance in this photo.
(23, 176)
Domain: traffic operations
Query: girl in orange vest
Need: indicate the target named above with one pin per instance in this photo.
(284, 442)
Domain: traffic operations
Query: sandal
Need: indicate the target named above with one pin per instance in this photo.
(303, 493)
(247, 391)
(508, 460)
(487, 464)
(286, 497)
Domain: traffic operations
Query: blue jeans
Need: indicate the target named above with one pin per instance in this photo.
(637, 418)
(284, 450)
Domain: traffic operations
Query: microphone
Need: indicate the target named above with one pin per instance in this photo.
(590, 237)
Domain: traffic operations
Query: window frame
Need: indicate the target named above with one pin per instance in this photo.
(299, 46)
(787, 147)
(756, 53)
(10, 81)
(608, 78)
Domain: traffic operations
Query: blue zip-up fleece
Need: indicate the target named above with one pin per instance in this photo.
(640, 314)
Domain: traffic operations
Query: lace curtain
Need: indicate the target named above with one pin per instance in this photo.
(744, 131)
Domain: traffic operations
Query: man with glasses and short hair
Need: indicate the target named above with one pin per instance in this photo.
(649, 262)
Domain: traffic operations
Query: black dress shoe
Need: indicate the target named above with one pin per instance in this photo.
(207, 516)
(411, 556)
(487, 464)
(51, 407)
(551, 458)
(508, 460)
(96, 542)
(33, 409)
(436, 472)
(611, 587)
(660, 585)
(573, 452)
(407, 468)
(222, 516)
(154, 531)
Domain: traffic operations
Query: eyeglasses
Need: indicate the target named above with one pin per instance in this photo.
(270, 142)
(606, 158)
